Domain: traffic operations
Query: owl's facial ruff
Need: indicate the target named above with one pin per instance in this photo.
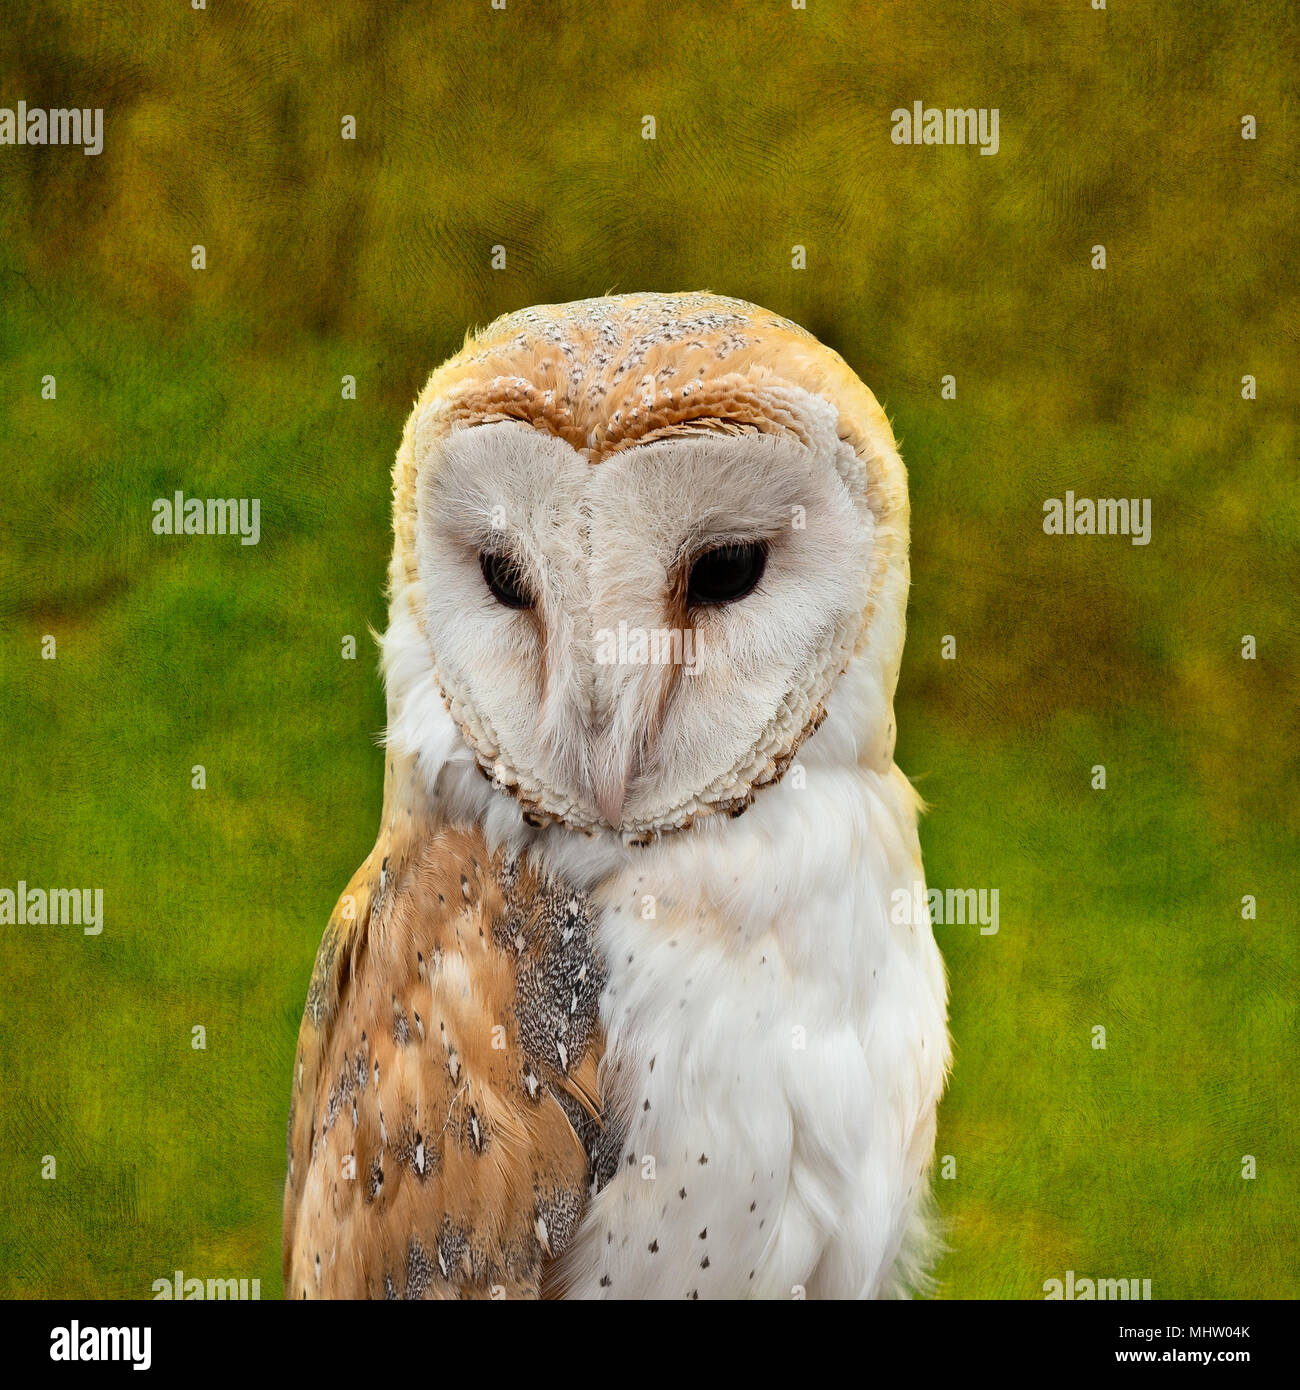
(577, 459)
(615, 701)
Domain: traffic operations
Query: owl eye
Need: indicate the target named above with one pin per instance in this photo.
(726, 574)
(502, 576)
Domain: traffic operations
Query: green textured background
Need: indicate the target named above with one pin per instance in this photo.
(523, 127)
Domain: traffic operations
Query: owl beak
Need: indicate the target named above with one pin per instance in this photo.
(618, 769)
(627, 757)
(624, 749)
(610, 796)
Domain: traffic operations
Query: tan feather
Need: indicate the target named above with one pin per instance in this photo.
(447, 1051)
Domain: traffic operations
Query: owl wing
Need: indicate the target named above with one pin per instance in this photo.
(444, 1127)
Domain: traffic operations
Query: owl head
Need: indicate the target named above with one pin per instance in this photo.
(643, 546)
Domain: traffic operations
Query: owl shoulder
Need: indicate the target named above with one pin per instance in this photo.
(445, 1123)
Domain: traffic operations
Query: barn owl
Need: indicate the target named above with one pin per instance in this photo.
(620, 1005)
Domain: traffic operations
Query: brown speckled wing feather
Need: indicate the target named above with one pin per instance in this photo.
(444, 1127)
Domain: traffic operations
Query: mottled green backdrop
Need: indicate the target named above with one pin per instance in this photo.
(522, 128)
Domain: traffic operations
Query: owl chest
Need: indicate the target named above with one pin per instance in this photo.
(725, 1071)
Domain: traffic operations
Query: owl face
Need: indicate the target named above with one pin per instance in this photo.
(634, 627)
(634, 641)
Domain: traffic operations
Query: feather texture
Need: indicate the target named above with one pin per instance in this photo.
(445, 1110)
